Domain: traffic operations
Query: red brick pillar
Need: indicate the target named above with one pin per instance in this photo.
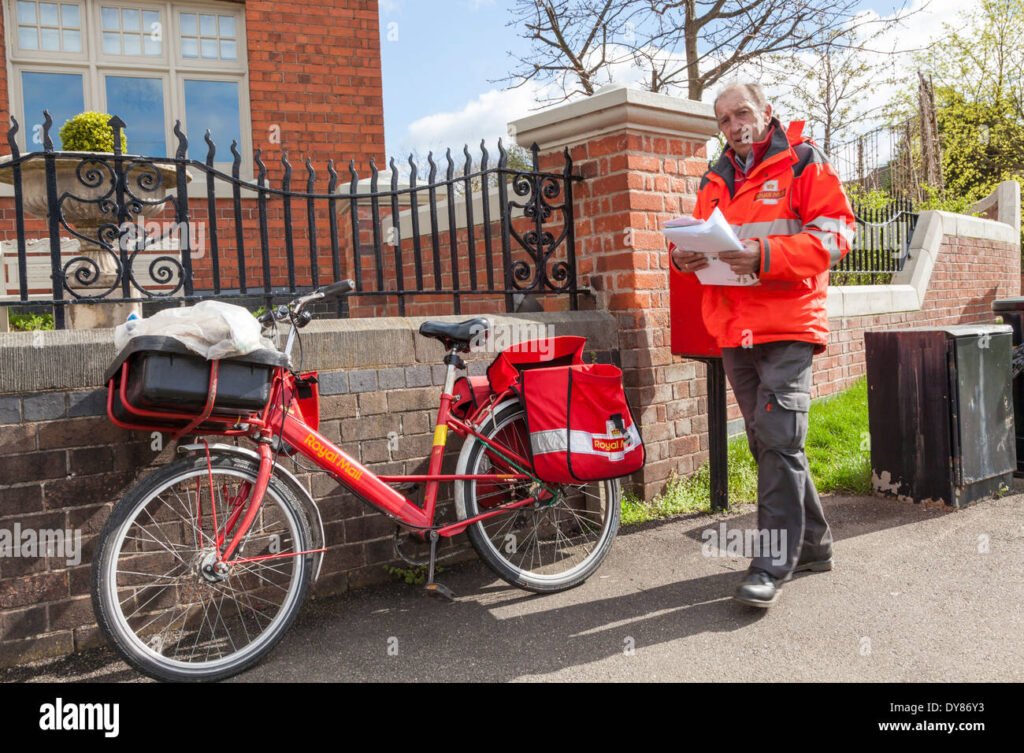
(642, 156)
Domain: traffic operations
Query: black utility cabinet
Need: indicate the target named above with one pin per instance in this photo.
(940, 412)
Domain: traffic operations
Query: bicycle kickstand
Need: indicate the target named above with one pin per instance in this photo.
(433, 587)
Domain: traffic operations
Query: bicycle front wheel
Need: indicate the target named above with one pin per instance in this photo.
(546, 546)
(161, 597)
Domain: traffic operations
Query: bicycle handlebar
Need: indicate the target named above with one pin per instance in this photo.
(295, 307)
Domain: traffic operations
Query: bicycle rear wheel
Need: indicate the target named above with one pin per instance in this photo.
(158, 593)
(547, 546)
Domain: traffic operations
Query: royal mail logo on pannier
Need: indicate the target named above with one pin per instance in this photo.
(609, 445)
(590, 436)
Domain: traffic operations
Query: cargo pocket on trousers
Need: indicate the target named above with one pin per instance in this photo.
(786, 420)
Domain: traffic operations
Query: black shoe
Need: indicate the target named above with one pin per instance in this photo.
(815, 566)
(758, 589)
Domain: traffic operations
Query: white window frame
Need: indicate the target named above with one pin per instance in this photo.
(11, 36)
(94, 66)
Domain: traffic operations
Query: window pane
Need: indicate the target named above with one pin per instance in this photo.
(50, 39)
(208, 26)
(48, 14)
(140, 103)
(227, 26)
(132, 44)
(60, 93)
(130, 20)
(151, 23)
(71, 17)
(111, 43)
(188, 24)
(111, 19)
(213, 105)
(150, 46)
(227, 50)
(189, 47)
(27, 13)
(28, 38)
(72, 41)
(209, 48)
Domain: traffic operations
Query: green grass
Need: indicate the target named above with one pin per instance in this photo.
(837, 452)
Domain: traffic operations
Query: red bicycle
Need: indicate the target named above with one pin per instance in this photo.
(205, 563)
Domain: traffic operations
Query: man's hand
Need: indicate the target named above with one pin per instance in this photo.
(687, 261)
(745, 262)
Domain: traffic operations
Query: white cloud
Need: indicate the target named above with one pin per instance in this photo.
(485, 117)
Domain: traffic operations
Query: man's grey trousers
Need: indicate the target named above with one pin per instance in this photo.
(772, 384)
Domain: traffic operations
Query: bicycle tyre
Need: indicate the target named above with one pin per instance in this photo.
(472, 497)
(249, 598)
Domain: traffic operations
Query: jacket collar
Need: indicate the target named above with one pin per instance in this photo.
(779, 145)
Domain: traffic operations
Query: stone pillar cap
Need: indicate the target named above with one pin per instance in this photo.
(614, 108)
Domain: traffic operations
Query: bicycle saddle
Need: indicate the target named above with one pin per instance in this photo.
(461, 334)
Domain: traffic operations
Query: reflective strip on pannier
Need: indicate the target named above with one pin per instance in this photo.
(563, 350)
(581, 428)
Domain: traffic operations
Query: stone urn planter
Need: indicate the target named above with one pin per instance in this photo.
(89, 181)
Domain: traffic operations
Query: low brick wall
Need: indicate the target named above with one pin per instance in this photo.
(63, 464)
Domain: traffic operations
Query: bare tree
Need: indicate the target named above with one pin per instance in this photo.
(571, 41)
(829, 86)
(686, 45)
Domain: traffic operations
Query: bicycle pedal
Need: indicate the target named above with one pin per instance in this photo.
(440, 590)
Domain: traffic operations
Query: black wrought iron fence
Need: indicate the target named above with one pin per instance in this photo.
(881, 246)
(92, 228)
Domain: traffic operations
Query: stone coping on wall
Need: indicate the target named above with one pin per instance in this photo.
(69, 359)
(910, 285)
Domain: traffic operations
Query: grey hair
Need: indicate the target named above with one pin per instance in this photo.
(754, 91)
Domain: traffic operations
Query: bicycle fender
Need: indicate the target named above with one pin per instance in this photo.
(467, 447)
(285, 476)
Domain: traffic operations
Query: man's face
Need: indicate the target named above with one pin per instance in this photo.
(740, 120)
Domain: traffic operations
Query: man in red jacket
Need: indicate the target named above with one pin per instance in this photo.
(786, 204)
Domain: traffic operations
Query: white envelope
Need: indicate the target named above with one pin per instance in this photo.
(711, 237)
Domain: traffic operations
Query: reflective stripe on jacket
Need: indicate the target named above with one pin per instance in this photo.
(794, 204)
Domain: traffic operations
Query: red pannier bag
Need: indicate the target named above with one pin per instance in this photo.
(468, 394)
(580, 425)
(505, 370)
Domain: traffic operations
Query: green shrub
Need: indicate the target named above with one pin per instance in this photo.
(90, 132)
(31, 322)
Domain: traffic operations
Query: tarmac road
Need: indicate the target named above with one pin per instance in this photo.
(916, 595)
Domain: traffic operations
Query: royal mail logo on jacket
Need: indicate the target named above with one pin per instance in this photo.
(771, 193)
(793, 203)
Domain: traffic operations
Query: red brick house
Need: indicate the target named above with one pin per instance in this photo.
(302, 78)
(303, 75)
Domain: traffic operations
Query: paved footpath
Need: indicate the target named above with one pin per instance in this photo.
(917, 595)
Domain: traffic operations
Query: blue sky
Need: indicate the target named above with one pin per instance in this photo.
(441, 57)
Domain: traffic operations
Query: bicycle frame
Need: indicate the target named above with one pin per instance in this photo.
(282, 419)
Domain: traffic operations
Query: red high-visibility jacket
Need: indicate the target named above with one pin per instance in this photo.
(794, 205)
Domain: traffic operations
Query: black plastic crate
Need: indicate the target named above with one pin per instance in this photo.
(163, 375)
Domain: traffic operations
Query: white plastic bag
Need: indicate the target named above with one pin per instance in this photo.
(210, 328)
